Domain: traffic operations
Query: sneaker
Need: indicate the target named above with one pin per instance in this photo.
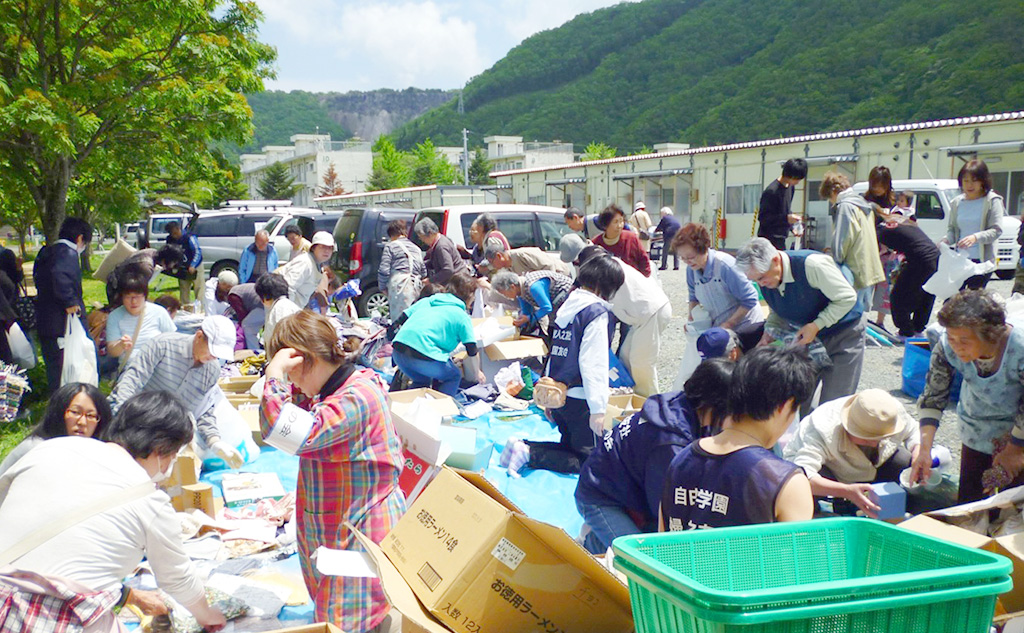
(519, 456)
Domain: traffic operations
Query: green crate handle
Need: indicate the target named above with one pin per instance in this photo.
(835, 608)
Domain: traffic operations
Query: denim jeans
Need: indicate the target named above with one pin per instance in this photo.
(607, 523)
(443, 376)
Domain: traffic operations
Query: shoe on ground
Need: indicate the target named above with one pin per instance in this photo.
(519, 456)
(664, 268)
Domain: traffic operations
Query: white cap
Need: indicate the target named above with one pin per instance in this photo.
(220, 336)
(228, 278)
(639, 205)
(323, 238)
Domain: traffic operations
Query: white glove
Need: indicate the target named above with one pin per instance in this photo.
(228, 453)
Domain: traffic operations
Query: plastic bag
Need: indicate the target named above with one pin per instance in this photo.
(618, 375)
(954, 269)
(80, 363)
(917, 357)
(233, 429)
(510, 379)
(21, 347)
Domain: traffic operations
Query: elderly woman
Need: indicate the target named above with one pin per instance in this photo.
(349, 459)
(401, 270)
(539, 293)
(717, 285)
(123, 516)
(76, 408)
(442, 258)
(484, 231)
(975, 217)
(989, 354)
(430, 331)
(623, 244)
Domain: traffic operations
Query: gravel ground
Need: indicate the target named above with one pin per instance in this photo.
(881, 364)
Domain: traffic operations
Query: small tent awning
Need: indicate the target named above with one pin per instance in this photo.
(1005, 147)
(565, 181)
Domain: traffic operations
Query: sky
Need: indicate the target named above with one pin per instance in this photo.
(342, 45)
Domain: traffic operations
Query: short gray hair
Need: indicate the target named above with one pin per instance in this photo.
(492, 248)
(425, 227)
(757, 254)
(506, 280)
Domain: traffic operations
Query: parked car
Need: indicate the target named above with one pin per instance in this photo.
(152, 231)
(359, 238)
(309, 222)
(931, 207)
(522, 224)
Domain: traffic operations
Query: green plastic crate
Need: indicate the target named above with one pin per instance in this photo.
(854, 571)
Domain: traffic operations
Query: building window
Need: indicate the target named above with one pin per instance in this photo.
(742, 199)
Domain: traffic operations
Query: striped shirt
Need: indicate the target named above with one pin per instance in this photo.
(348, 471)
(166, 364)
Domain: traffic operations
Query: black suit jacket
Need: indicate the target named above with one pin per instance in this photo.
(58, 278)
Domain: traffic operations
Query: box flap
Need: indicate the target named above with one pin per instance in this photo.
(928, 526)
(485, 486)
(1006, 498)
(526, 347)
(397, 591)
(322, 627)
(570, 550)
(444, 404)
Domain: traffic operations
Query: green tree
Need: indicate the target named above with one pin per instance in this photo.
(277, 184)
(479, 168)
(149, 83)
(391, 168)
(598, 151)
(331, 183)
(430, 167)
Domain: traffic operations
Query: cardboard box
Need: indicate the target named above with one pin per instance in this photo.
(469, 450)
(477, 563)
(399, 401)
(237, 384)
(418, 424)
(241, 489)
(200, 497)
(628, 403)
(185, 472)
(524, 347)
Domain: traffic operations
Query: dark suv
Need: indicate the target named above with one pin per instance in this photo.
(359, 238)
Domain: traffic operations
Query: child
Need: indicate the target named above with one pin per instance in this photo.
(904, 205)
(581, 342)
(734, 478)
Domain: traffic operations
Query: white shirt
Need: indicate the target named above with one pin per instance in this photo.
(303, 276)
(66, 473)
(638, 299)
(212, 307)
(281, 308)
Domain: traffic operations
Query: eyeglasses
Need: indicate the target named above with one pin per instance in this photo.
(78, 413)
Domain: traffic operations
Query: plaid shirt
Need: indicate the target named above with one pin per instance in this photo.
(54, 609)
(348, 471)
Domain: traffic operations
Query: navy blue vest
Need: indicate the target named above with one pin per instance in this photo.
(802, 303)
(564, 362)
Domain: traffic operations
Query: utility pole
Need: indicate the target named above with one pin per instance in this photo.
(465, 156)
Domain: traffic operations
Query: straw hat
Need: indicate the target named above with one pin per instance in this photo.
(872, 414)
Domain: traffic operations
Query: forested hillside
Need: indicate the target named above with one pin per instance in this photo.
(716, 71)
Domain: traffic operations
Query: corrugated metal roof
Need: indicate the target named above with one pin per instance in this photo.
(884, 129)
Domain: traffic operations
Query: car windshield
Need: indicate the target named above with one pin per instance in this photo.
(951, 193)
(272, 224)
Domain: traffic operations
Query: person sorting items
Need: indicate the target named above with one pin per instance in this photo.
(848, 443)
(350, 457)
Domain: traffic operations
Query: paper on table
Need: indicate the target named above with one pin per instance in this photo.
(342, 562)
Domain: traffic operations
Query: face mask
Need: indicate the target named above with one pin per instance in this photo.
(164, 475)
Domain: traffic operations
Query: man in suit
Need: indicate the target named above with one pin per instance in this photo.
(58, 278)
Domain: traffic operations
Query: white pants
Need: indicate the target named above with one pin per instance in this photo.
(640, 350)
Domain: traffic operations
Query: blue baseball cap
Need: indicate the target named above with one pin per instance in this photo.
(713, 343)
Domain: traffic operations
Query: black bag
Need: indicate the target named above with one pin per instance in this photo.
(25, 306)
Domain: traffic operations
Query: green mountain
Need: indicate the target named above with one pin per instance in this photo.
(716, 71)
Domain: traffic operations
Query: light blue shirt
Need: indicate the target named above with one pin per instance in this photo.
(968, 220)
(155, 321)
(722, 288)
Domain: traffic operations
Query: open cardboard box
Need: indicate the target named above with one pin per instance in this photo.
(185, 472)
(1012, 546)
(237, 384)
(423, 450)
(629, 403)
(475, 562)
(399, 401)
(468, 450)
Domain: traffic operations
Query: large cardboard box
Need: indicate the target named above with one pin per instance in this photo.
(400, 401)
(185, 472)
(417, 415)
(477, 563)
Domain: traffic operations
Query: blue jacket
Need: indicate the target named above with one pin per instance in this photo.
(58, 279)
(627, 469)
(248, 260)
(190, 245)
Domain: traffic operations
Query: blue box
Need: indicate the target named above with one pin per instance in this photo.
(891, 498)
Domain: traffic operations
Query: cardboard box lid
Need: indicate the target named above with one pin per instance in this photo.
(444, 404)
(525, 347)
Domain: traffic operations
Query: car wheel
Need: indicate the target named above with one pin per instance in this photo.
(221, 266)
(373, 303)
(1005, 273)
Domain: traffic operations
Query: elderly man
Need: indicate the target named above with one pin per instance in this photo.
(306, 273)
(190, 273)
(581, 224)
(257, 259)
(808, 294)
(442, 258)
(215, 299)
(524, 260)
(847, 443)
(187, 366)
(299, 244)
(668, 226)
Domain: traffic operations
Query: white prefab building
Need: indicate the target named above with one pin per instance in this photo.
(418, 197)
(510, 152)
(308, 159)
(721, 186)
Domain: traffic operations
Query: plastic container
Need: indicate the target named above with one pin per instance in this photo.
(843, 574)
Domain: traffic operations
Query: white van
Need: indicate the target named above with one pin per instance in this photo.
(931, 207)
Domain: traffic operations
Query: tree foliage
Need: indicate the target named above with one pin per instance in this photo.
(598, 151)
(277, 183)
(391, 168)
(331, 183)
(118, 92)
(430, 167)
(718, 71)
(479, 168)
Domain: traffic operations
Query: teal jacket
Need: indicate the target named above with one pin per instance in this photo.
(435, 326)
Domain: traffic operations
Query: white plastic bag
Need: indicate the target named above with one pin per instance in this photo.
(79, 354)
(691, 357)
(954, 269)
(235, 431)
(21, 348)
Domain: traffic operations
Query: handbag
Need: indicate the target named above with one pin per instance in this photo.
(21, 347)
(25, 307)
(548, 393)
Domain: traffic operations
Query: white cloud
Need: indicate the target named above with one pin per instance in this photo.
(523, 18)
